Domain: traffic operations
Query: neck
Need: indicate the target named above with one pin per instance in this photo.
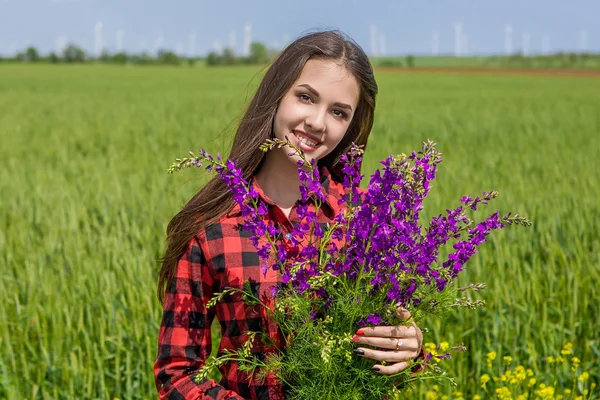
(278, 178)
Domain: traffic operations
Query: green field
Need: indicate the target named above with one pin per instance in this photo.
(85, 200)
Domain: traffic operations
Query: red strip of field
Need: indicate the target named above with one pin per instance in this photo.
(494, 71)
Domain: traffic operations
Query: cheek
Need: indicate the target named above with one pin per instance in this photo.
(337, 136)
(289, 110)
(284, 117)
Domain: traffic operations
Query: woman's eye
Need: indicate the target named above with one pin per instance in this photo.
(305, 97)
(339, 113)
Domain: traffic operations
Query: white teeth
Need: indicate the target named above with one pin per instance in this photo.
(306, 141)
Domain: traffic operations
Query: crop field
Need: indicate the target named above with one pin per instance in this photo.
(85, 200)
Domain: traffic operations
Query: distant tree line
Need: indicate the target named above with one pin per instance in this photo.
(72, 54)
(260, 54)
(517, 60)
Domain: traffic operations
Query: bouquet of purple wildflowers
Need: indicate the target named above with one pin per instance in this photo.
(376, 257)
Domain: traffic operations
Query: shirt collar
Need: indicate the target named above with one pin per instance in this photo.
(331, 196)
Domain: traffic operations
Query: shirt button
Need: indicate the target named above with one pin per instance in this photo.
(288, 236)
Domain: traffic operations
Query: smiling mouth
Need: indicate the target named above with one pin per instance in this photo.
(306, 141)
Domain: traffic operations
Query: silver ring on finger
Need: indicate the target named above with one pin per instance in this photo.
(399, 344)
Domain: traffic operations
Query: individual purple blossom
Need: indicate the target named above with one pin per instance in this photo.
(374, 319)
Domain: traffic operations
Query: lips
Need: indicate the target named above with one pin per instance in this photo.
(308, 136)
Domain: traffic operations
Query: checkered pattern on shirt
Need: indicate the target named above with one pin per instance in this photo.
(219, 256)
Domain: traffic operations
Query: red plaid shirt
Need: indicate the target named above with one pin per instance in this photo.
(219, 256)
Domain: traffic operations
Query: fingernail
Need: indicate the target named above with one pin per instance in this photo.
(355, 339)
(359, 352)
(360, 332)
(375, 369)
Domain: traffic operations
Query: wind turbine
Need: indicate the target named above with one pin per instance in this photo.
(119, 40)
(508, 30)
(158, 44)
(457, 38)
(525, 44)
(60, 44)
(179, 49)
(98, 38)
(191, 44)
(582, 41)
(232, 43)
(435, 45)
(217, 47)
(382, 44)
(374, 41)
(546, 44)
(247, 38)
(12, 49)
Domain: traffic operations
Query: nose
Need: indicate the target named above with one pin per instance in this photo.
(316, 120)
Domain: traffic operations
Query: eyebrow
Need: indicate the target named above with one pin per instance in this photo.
(316, 94)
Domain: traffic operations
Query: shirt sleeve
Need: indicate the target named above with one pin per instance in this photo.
(184, 339)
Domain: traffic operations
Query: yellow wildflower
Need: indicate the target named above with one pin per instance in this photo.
(506, 376)
(529, 372)
(503, 393)
(491, 356)
(583, 377)
(431, 396)
(545, 392)
(567, 391)
(458, 396)
(567, 349)
(444, 346)
(531, 382)
(520, 373)
(575, 362)
(477, 397)
(522, 397)
(485, 378)
(507, 359)
(550, 359)
(432, 349)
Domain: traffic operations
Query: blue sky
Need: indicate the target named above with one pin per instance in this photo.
(381, 27)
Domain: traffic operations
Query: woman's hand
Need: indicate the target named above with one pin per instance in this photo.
(404, 344)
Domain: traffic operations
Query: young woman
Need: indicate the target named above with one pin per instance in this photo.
(320, 92)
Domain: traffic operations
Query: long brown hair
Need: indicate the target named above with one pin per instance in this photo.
(214, 199)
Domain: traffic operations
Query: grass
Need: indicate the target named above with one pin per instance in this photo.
(86, 199)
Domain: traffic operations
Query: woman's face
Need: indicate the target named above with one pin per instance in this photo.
(317, 110)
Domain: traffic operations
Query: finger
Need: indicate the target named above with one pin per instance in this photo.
(388, 331)
(388, 356)
(419, 334)
(388, 343)
(390, 369)
(402, 313)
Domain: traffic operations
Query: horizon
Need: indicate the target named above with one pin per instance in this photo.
(193, 29)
